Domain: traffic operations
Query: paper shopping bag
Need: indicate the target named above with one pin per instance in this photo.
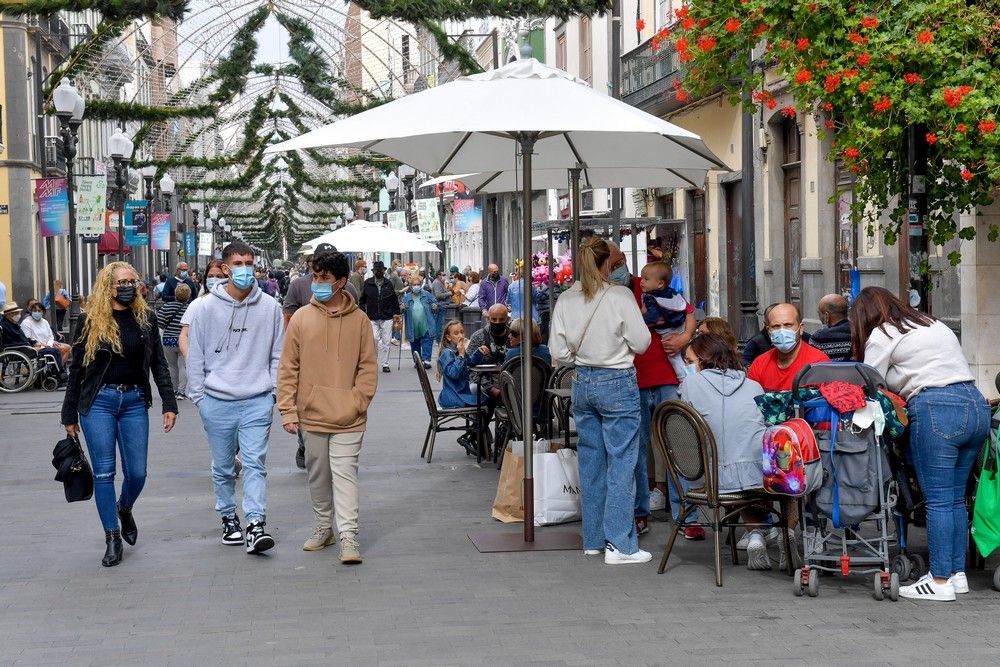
(508, 505)
(557, 487)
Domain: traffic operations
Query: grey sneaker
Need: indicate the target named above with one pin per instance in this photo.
(349, 551)
(321, 537)
(757, 558)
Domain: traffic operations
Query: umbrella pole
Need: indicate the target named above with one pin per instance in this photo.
(527, 142)
(552, 280)
(574, 175)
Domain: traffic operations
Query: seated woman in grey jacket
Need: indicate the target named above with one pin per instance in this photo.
(718, 388)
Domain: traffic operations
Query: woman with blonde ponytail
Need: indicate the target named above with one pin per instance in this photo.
(116, 345)
(598, 328)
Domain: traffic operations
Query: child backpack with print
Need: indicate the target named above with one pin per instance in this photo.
(791, 461)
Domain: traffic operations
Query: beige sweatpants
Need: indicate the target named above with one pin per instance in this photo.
(332, 465)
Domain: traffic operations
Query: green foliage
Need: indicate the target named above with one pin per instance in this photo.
(868, 70)
(115, 110)
(415, 11)
(111, 10)
(84, 51)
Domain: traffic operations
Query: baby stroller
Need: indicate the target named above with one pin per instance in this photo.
(846, 524)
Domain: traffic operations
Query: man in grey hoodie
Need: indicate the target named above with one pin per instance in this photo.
(233, 350)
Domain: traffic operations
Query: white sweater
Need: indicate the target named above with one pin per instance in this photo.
(920, 358)
(616, 333)
(39, 331)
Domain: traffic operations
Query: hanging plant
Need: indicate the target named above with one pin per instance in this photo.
(868, 70)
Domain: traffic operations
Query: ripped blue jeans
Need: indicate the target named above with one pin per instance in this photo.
(116, 421)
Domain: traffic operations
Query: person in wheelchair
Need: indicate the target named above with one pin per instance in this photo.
(37, 329)
(11, 335)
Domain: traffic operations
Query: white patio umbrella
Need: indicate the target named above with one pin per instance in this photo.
(479, 123)
(369, 236)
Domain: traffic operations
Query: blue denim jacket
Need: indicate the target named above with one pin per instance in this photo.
(455, 390)
(428, 300)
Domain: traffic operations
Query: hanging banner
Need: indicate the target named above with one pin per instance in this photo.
(52, 198)
(397, 220)
(91, 203)
(136, 225)
(468, 217)
(161, 231)
(428, 221)
(190, 239)
(205, 244)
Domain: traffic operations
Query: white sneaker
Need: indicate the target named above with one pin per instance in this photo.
(657, 500)
(771, 537)
(757, 558)
(592, 552)
(960, 582)
(928, 589)
(614, 557)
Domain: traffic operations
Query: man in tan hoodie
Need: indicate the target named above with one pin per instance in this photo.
(326, 379)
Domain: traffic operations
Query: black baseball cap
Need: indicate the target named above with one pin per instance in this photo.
(324, 247)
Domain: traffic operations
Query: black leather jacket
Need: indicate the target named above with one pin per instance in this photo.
(379, 304)
(85, 381)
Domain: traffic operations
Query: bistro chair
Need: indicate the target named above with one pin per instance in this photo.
(540, 373)
(686, 443)
(441, 419)
(562, 378)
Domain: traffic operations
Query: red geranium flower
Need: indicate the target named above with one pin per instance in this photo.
(987, 126)
(803, 76)
(802, 44)
(883, 104)
(864, 59)
(681, 13)
(850, 73)
(832, 81)
(852, 153)
(706, 43)
(857, 38)
(733, 24)
(788, 112)
(925, 37)
(965, 90)
(812, 6)
(962, 127)
(687, 23)
(912, 78)
(760, 29)
(829, 124)
(869, 22)
(865, 86)
(953, 96)
(640, 25)
(683, 44)
(826, 106)
(772, 103)
(931, 138)
(967, 175)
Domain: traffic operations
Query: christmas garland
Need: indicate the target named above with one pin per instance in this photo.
(115, 110)
(111, 10)
(450, 49)
(83, 52)
(415, 11)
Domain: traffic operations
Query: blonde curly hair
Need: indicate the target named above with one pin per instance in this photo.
(101, 326)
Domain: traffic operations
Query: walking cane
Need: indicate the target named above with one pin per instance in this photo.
(399, 362)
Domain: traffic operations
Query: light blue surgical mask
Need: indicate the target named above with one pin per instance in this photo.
(415, 289)
(322, 291)
(212, 282)
(620, 276)
(37, 316)
(183, 275)
(784, 340)
(689, 370)
(242, 276)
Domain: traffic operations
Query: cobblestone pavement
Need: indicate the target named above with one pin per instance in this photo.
(424, 595)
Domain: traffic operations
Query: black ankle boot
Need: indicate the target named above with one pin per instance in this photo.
(113, 554)
(129, 530)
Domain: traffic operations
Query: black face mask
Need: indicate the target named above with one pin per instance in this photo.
(126, 296)
(379, 274)
(498, 330)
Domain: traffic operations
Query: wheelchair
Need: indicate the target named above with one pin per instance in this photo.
(22, 367)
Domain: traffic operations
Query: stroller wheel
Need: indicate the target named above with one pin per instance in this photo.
(919, 566)
(813, 583)
(797, 583)
(878, 592)
(894, 587)
(901, 566)
(996, 578)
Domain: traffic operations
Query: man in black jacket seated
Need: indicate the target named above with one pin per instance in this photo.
(381, 305)
(835, 338)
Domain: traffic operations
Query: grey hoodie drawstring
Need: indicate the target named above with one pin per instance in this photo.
(227, 337)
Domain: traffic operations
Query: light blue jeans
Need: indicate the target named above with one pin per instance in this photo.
(116, 418)
(606, 411)
(648, 400)
(948, 426)
(246, 422)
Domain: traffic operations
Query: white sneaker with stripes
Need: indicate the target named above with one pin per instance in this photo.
(928, 589)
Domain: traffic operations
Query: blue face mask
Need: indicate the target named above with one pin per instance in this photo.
(242, 276)
(784, 340)
(620, 276)
(37, 316)
(322, 291)
(689, 370)
(184, 275)
(212, 282)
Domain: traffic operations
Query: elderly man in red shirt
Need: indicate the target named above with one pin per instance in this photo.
(776, 369)
(657, 383)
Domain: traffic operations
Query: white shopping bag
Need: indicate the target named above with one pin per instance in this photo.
(557, 487)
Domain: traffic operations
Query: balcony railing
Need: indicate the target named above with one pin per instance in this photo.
(648, 77)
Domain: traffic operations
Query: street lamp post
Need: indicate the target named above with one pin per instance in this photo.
(392, 187)
(148, 173)
(121, 147)
(194, 212)
(70, 107)
(213, 214)
(406, 175)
